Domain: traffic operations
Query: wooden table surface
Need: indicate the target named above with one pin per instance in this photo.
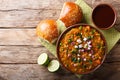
(19, 48)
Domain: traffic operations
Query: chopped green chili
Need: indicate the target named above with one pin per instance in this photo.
(90, 61)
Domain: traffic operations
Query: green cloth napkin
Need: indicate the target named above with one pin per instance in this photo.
(111, 35)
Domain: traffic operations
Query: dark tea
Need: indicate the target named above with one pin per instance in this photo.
(104, 16)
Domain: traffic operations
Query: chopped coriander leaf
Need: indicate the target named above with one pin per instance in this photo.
(79, 60)
(79, 34)
(89, 37)
(67, 51)
(79, 65)
(74, 51)
(74, 59)
(69, 40)
(103, 46)
(90, 61)
(72, 36)
(62, 49)
(80, 27)
(92, 37)
(93, 31)
(98, 46)
(60, 44)
(84, 66)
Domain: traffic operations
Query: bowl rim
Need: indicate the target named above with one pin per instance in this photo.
(114, 11)
(64, 32)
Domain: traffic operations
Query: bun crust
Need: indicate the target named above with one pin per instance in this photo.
(47, 29)
(71, 14)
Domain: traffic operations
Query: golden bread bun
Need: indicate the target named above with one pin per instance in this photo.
(47, 29)
(71, 14)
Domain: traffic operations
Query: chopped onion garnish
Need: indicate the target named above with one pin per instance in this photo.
(84, 39)
(80, 46)
(90, 54)
(76, 46)
(84, 59)
(79, 41)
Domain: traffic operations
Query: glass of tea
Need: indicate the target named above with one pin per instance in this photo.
(104, 16)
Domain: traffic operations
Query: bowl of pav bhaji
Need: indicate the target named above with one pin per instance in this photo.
(81, 49)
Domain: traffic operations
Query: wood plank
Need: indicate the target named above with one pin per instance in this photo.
(36, 72)
(26, 18)
(21, 54)
(29, 54)
(31, 4)
(107, 71)
(18, 37)
(32, 72)
(114, 55)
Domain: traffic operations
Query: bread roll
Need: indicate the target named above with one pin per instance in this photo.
(71, 14)
(47, 29)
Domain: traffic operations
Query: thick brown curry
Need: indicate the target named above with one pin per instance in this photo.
(81, 49)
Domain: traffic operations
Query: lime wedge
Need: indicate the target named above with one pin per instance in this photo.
(43, 59)
(53, 66)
